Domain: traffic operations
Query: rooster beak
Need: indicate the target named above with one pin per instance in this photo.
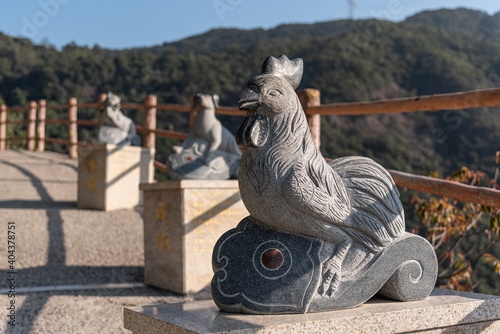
(249, 99)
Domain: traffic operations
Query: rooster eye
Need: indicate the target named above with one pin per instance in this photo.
(274, 93)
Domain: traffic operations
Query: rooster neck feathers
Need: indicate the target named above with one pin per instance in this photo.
(275, 133)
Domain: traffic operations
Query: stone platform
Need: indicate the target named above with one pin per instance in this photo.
(109, 176)
(182, 222)
(444, 311)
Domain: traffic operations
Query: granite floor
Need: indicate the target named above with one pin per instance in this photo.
(75, 270)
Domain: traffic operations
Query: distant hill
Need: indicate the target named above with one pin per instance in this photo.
(346, 60)
(467, 22)
(224, 39)
(461, 21)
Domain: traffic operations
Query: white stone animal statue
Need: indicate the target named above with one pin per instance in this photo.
(210, 150)
(207, 127)
(115, 127)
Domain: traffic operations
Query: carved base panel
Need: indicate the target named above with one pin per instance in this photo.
(182, 222)
(261, 270)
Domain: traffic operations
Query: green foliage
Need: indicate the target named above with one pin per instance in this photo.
(16, 130)
(346, 60)
(462, 21)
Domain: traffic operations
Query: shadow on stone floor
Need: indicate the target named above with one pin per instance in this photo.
(57, 273)
(37, 156)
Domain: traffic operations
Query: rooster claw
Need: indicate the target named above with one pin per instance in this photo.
(331, 277)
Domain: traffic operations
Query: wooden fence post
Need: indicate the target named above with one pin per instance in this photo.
(3, 126)
(149, 121)
(100, 109)
(72, 129)
(311, 98)
(192, 111)
(32, 126)
(40, 131)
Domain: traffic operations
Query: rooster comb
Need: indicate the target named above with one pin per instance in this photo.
(290, 70)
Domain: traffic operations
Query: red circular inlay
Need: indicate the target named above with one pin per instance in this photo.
(272, 259)
(189, 158)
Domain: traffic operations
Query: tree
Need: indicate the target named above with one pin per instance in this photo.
(465, 236)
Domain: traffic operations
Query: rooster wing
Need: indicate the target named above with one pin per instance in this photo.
(377, 215)
(321, 195)
(355, 194)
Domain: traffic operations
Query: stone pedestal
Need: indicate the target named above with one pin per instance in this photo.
(444, 311)
(182, 221)
(109, 176)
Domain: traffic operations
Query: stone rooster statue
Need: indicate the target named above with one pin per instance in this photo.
(347, 211)
(352, 202)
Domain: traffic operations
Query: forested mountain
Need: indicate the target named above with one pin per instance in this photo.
(224, 40)
(432, 52)
(462, 21)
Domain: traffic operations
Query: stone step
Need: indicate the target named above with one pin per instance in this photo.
(444, 311)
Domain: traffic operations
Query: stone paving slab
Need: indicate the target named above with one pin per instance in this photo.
(59, 245)
(444, 311)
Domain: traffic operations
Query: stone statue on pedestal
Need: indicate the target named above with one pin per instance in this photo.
(320, 235)
(116, 128)
(210, 151)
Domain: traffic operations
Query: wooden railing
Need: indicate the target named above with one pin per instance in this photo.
(453, 101)
(36, 120)
(310, 100)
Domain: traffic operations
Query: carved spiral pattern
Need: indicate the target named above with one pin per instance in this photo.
(406, 283)
(406, 271)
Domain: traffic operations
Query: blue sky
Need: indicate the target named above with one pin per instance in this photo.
(124, 24)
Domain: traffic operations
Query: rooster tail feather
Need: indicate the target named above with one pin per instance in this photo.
(377, 213)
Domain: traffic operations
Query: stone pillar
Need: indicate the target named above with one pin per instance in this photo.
(40, 130)
(3, 126)
(72, 129)
(182, 221)
(310, 98)
(32, 126)
(149, 122)
(109, 176)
